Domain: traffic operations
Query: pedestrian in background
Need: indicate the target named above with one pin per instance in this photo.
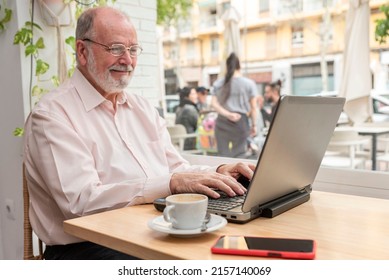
(203, 104)
(234, 99)
(187, 114)
(272, 95)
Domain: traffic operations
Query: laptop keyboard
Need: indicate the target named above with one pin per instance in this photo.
(224, 202)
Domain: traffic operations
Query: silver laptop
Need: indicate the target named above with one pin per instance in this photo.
(290, 158)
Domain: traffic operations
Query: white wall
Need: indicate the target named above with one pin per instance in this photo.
(14, 105)
(147, 81)
(11, 116)
(1, 243)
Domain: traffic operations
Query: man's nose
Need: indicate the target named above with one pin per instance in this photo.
(126, 57)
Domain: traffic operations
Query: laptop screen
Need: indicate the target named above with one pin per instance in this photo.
(294, 147)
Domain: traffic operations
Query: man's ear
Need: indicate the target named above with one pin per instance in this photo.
(82, 52)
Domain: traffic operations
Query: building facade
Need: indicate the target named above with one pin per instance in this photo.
(290, 40)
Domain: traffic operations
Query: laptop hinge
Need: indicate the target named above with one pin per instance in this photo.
(284, 203)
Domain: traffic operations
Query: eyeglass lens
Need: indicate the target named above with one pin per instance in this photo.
(119, 49)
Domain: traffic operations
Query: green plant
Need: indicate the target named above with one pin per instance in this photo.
(169, 12)
(71, 42)
(7, 18)
(382, 26)
(18, 132)
(26, 35)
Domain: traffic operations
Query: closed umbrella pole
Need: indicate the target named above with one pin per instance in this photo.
(356, 75)
(231, 33)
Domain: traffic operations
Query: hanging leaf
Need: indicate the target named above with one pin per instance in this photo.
(18, 132)
(7, 18)
(71, 71)
(71, 41)
(23, 36)
(41, 67)
(55, 81)
(30, 50)
(36, 91)
(40, 44)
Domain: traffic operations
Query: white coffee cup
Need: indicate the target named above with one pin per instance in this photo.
(186, 211)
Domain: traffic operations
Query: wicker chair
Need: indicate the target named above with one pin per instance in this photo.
(28, 240)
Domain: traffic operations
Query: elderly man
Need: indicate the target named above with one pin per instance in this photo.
(90, 146)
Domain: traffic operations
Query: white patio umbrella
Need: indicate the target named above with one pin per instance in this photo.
(356, 76)
(231, 33)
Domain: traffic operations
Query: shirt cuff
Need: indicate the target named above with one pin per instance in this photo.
(156, 187)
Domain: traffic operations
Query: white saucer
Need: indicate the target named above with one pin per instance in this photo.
(159, 224)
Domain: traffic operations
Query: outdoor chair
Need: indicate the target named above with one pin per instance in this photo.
(178, 136)
(344, 150)
(28, 233)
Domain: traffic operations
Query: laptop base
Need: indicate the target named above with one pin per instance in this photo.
(284, 203)
(267, 210)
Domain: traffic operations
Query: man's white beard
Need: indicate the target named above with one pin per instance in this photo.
(105, 80)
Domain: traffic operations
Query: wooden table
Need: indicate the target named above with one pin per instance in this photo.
(344, 226)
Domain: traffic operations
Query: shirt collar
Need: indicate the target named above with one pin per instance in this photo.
(90, 97)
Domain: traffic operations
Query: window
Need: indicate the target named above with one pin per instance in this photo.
(185, 25)
(173, 54)
(307, 78)
(193, 84)
(212, 78)
(208, 13)
(224, 7)
(329, 31)
(263, 6)
(214, 47)
(297, 37)
(290, 7)
(208, 18)
(191, 54)
(271, 42)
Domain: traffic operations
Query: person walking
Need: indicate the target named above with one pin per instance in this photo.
(234, 99)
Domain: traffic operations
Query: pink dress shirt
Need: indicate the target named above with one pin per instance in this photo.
(82, 157)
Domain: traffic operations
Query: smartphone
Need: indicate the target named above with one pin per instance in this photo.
(265, 247)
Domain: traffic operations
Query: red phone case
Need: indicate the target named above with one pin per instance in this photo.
(266, 253)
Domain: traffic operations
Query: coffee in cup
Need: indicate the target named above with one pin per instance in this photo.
(186, 211)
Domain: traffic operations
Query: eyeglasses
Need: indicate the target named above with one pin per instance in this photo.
(119, 49)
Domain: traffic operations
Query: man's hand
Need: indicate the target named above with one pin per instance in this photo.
(236, 170)
(225, 179)
(234, 117)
